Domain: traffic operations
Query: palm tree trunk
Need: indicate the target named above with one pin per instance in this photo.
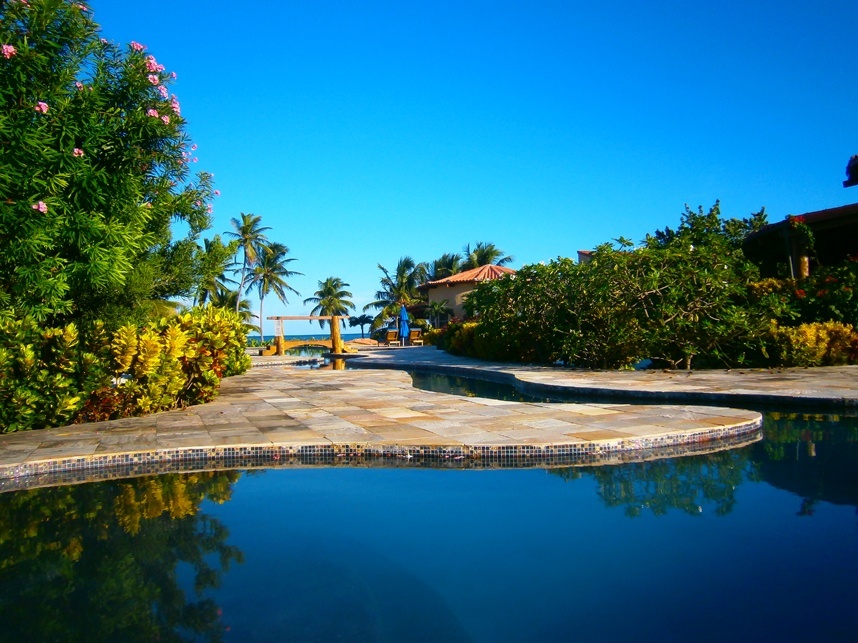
(261, 334)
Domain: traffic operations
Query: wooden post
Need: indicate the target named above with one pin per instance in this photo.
(336, 338)
(278, 339)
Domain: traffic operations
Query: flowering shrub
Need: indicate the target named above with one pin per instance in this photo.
(815, 344)
(92, 183)
(435, 337)
(459, 338)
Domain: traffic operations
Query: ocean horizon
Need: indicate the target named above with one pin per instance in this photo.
(323, 335)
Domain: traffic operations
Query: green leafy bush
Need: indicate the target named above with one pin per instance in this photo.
(434, 337)
(48, 377)
(459, 338)
(682, 296)
(815, 344)
(46, 374)
(94, 171)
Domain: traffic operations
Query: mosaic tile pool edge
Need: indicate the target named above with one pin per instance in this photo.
(597, 452)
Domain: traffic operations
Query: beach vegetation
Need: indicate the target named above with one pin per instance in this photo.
(332, 298)
(95, 171)
(682, 298)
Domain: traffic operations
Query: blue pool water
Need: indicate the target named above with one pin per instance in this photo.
(757, 543)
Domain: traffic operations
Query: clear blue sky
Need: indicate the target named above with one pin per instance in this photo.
(365, 131)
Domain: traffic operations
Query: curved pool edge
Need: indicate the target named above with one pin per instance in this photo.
(735, 388)
(276, 415)
(117, 466)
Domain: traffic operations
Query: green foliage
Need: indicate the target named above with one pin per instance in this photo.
(51, 377)
(111, 561)
(815, 344)
(829, 294)
(484, 254)
(683, 295)
(93, 172)
(435, 337)
(270, 273)
(360, 320)
(332, 298)
(46, 374)
(397, 288)
(460, 337)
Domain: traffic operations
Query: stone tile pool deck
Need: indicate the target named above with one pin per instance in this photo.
(277, 415)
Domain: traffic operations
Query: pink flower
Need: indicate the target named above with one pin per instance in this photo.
(194, 146)
(79, 85)
(147, 205)
(40, 206)
(195, 159)
(152, 64)
(198, 203)
(166, 119)
(103, 41)
(42, 107)
(217, 192)
(153, 79)
(77, 152)
(174, 104)
(9, 51)
(82, 7)
(136, 46)
(163, 90)
(173, 74)
(152, 112)
(209, 208)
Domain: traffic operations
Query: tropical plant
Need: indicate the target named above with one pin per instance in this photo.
(250, 234)
(214, 259)
(331, 299)
(150, 543)
(360, 320)
(684, 295)
(484, 254)
(397, 289)
(444, 266)
(94, 170)
(270, 274)
(438, 309)
(227, 299)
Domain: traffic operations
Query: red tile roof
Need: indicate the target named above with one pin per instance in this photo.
(483, 273)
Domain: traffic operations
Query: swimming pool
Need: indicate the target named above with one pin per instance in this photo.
(757, 542)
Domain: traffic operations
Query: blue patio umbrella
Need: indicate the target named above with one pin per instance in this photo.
(403, 323)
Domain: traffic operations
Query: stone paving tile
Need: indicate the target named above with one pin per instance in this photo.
(601, 434)
(303, 408)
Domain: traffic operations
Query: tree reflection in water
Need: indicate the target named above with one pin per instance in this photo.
(689, 484)
(102, 562)
(811, 455)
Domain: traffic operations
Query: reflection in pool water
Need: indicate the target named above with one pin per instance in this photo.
(755, 543)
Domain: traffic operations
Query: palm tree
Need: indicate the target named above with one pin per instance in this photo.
(436, 310)
(398, 288)
(213, 260)
(330, 299)
(447, 265)
(484, 254)
(226, 298)
(270, 274)
(362, 320)
(251, 240)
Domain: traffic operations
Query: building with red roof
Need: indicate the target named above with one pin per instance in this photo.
(455, 288)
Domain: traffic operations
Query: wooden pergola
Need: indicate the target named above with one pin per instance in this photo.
(337, 345)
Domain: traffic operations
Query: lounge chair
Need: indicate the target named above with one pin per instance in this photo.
(392, 337)
(415, 337)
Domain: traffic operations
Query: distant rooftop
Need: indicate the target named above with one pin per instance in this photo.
(482, 273)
